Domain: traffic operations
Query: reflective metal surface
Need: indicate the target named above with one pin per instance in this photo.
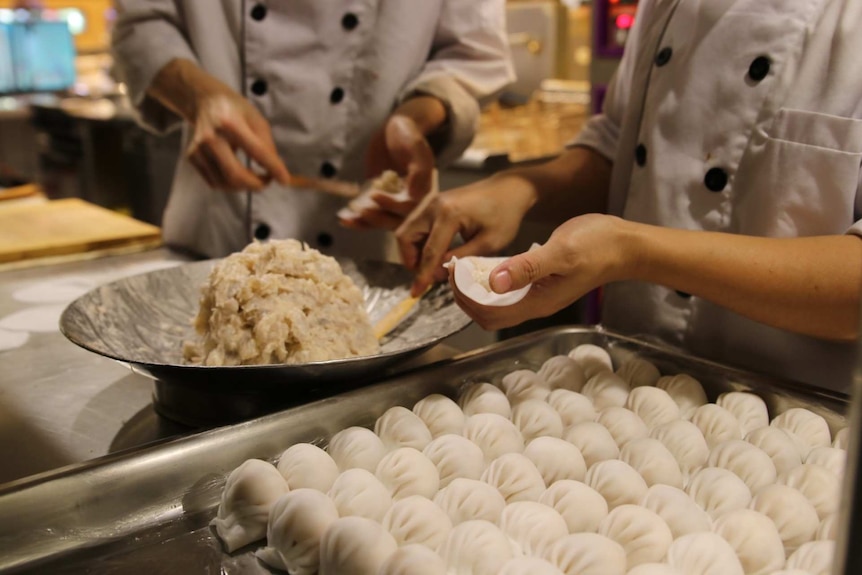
(148, 511)
(142, 321)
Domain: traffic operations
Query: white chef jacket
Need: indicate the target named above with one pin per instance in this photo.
(326, 75)
(740, 116)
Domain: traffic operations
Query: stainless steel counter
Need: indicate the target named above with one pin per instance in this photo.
(60, 404)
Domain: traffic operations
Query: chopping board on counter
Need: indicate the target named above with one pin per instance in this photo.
(65, 227)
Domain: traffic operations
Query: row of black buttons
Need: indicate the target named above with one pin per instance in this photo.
(262, 231)
(349, 21)
(757, 70)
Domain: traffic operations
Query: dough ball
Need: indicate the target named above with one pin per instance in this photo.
(623, 424)
(466, 499)
(306, 465)
(562, 372)
(654, 462)
(524, 384)
(535, 418)
(749, 463)
(793, 515)
(818, 484)
(754, 538)
(606, 389)
(407, 472)
(685, 390)
(639, 372)
(813, 557)
(779, 445)
(484, 398)
(749, 409)
(716, 423)
(414, 560)
(515, 477)
(358, 492)
(593, 440)
(494, 434)
(704, 554)
(400, 427)
(556, 459)
(573, 407)
(643, 534)
(592, 359)
(355, 545)
(476, 547)
(416, 519)
(718, 491)
(582, 507)
(249, 493)
(440, 414)
(455, 456)
(653, 405)
(682, 515)
(685, 441)
(811, 428)
(587, 554)
(356, 447)
(533, 526)
(617, 481)
(297, 523)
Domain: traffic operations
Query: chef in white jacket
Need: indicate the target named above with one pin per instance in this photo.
(310, 87)
(717, 198)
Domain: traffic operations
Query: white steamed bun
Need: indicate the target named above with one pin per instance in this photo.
(685, 390)
(416, 519)
(685, 441)
(653, 461)
(400, 427)
(831, 458)
(306, 465)
(455, 456)
(749, 463)
(716, 423)
(606, 389)
(356, 447)
(359, 492)
(562, 372)
(749, 409)
(484, 398)
(494, 434)
(440, 414)
(682, 515)
(818, 484)
(790, 511)
(581, 506)
(515, 477)
(355, 545)
(556, 459)
(592, 359)
(811, 428)
(623, 424)
(535, 418)
(617, 481)
(755, 539)
(718, 491)
(779, 445)
(642, 533)
(466, 499)
(524, 384)
(476, 547)
(593, 440)
(653, 405)
(639, 372)
(573, 407)
(533, 526)
(407, 472)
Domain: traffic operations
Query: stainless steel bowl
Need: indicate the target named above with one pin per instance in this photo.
(142, 321)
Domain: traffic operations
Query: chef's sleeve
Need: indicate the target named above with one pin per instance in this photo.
(469, 63)
(147, 36)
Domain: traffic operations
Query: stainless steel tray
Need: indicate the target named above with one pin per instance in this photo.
(148, 510)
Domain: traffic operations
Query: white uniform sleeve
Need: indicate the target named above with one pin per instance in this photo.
(469, 63)
(147, 36)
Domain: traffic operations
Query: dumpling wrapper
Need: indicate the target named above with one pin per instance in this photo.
(472, 278)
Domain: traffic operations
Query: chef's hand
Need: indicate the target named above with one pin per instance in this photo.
(486, 214)
(581, 255)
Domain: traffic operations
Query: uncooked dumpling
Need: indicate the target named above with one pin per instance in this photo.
(655, 569)
(535, 418)
(359, 492)
(828, 528)
(416, 519)
(818, 484)
(813, 557)
(533, 526)
(476, 547)
(297, 523)
(639, 372)
(524, 384)
(562, 372)
(484, 398)
(653, 461)
(400, 427)
(755, 539)
(592, 359)
(749, 463)
(356, 447)
(841, 437)
(779, 445)
(556, 459)
(642, 533)
(581, 506)
(831, 458)
(529, 566)
(653, 405)
(455, 456)
(793, 515)
(749, 409)
(588, 554)
(623, 424)
(466, 499)
(811, 428)
(716, 423)
(682, 515)
(685, 390)
(573, 407)
(593, 440)
(515, 477)
(306, 465)
(718, 491)
(495, 435)
(413, 560)
(704, 554)
(617, 481)
(407, 472)
(606, 389)
(685, 441)
(355, 545)
(249, 493)
(440, 414)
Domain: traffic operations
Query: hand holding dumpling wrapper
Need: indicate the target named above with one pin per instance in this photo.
(472, 277)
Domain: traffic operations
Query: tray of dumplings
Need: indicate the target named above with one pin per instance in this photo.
(572, 450)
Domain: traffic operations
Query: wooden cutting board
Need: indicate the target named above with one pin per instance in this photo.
(69, 226)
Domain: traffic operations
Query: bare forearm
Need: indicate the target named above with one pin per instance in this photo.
(181, 85)
(427, 112)
(806, 285)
